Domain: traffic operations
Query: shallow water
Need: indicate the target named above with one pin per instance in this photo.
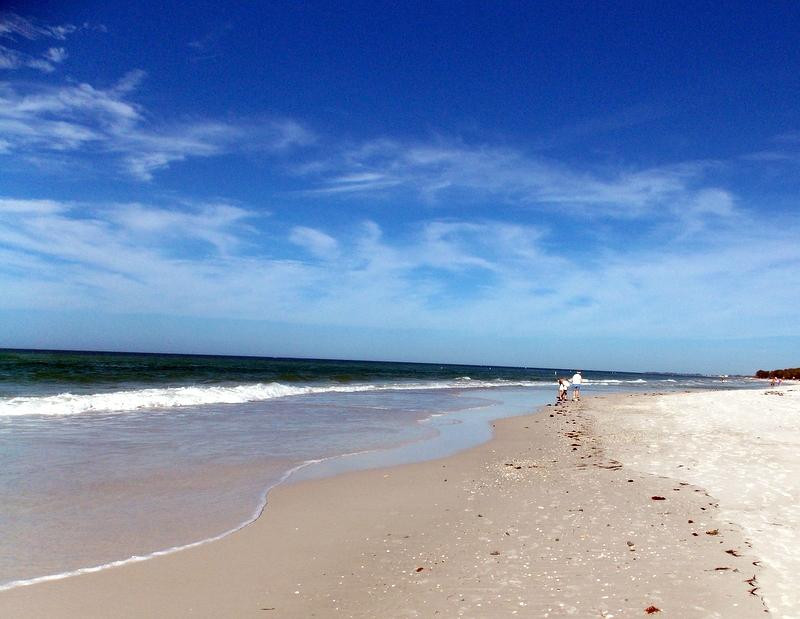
(88, 489)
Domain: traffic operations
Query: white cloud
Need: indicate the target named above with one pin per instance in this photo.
(697, 211)
(30, 207)
(222, 225)
(129, 82)
(64, 118)
(13, 25)
(470, 276)
(315, 241)
(56, 54)
(137, 256)
(713, 201)
(13, 59)
(85, 120)
(443, 171)
(209, 45)
(282, 134)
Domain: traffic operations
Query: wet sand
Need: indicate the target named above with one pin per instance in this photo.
(545, 520)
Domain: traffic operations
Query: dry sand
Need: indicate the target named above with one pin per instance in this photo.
(744, 448)
(545, 520)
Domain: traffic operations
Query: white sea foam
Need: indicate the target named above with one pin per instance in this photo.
(169, 397)
(613, 381)
(138, 399)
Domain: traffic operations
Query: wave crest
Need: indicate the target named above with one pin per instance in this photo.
(169, 397)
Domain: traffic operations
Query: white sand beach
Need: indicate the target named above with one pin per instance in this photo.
(743, 447)
(618, 506)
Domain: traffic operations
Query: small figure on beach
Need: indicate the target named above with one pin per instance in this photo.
(577, 379)
(771, 381)
(563, 385)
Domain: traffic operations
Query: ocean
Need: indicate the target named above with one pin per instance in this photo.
(114, 457)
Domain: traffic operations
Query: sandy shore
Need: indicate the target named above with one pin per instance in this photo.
(563, 513)
(743, 447)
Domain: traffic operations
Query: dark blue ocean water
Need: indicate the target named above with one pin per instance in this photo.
(104, 456)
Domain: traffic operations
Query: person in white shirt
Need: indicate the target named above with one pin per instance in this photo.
(577, 379)
(563, 385)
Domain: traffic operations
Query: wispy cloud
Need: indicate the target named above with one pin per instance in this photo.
(315, 241)
(14, 27)
(605, 123)
(13, 59)
(56, 54)
(467, 275)
(782, 151)
(208, 46)
(107, 256)
(219, 224)
(85, 120)
(446, 170)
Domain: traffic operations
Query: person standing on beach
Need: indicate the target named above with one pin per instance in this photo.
(577, 379)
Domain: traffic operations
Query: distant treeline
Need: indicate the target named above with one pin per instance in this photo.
(787, 373)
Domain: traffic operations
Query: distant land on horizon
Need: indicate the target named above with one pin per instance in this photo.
(790, 373)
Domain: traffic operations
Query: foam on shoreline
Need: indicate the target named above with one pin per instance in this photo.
(64, 404)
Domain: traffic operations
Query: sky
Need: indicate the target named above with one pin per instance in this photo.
(563, 184)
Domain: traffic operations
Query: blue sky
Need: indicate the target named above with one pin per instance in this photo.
(500, 183)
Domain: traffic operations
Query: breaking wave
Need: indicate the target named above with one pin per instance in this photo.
(168, 397)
